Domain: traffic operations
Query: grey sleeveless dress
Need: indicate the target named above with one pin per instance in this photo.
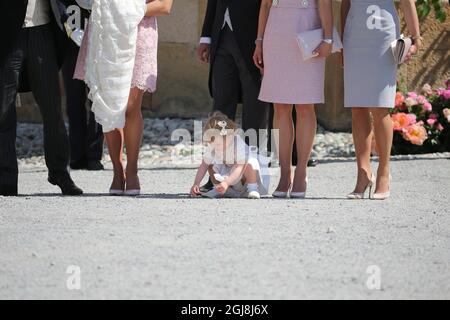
(370, 72)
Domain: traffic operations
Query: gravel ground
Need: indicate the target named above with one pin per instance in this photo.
(164, 245)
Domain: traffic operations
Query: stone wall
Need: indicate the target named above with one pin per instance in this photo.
(182, 82)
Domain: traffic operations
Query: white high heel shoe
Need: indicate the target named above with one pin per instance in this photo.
(132, 192)
(282, 194)
(299, 195)
(359, 196)
(383, 195)
(116, 192)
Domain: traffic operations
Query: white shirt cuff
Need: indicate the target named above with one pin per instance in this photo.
(205, 40)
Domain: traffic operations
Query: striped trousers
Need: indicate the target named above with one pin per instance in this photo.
(33, 57)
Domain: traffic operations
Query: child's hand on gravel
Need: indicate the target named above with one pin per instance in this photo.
(195, 191)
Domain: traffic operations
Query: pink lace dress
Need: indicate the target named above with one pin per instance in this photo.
(145, 66)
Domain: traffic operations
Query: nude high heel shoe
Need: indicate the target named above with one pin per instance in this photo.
(299, 195)
(359, 196)
(383, 195)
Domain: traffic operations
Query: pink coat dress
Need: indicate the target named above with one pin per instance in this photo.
(287, 78)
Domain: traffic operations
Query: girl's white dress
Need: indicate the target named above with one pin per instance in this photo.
(239, 153)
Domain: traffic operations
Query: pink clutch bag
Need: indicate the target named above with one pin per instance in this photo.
(308, 41)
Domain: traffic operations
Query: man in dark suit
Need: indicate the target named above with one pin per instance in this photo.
(85, 134)
(28, 55)
(228, 42)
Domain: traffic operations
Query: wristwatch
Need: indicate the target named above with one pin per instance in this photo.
(328, 41)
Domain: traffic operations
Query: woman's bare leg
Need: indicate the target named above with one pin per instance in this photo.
(362, 138)
(383, 135)
(305, 135)
(134, 128)
(114, 140)
(282, 121)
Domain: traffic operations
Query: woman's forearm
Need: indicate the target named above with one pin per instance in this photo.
(326, 17)
(411, 18)
(345, 8)
(159, 8)
(263, 17)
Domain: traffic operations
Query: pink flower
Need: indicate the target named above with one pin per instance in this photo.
(412, 94)
(439, 127)
(434, 116)
(399, 100)
(427, 106)
(431, 122)
(446, 113)
(410, 101)
(426, 89)
(416, 134)
(412, 118)
(402, 120)
(421, 99)
(444, 93)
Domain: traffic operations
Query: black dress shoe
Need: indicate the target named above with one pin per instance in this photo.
(68, 187)
(207, 187)
(8, 191)
(313, 162)
(95, 166)
(78, 165)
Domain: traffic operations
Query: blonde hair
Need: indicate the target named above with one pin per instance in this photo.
(219, 122)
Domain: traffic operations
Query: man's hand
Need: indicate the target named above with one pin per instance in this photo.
(204, 52)
(195, 191)
(323, 50)
(258, 59)
(222, 187)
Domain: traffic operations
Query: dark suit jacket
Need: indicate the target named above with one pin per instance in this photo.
(12, 18)
(244, 16)
(59, 8)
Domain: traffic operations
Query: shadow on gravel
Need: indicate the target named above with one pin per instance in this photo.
(106, 195)
(59, 195)
(167, 196)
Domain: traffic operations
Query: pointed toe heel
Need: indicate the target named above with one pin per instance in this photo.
(362, 195)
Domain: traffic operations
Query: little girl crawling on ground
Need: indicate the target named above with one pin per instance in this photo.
(236, 170)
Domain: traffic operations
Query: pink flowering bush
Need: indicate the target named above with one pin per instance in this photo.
(422, 121)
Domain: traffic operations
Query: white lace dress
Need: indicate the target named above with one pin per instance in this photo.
(109, 56)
